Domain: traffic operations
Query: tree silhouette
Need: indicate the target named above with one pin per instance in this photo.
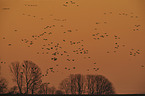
(3, 85)
(43, 88)
(17, 75)
(32, 76)
(51, 90)
(65, 86)
(98, 84)
(73, 85)
(103, 85)
(27, 76)
(88, 84)
(77, 83)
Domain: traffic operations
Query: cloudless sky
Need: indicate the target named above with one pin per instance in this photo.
(118, 55)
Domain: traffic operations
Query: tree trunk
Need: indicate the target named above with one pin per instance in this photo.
(19, 87)
(27, 89)
(32, 91)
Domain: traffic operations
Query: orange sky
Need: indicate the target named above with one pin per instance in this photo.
(20, 19)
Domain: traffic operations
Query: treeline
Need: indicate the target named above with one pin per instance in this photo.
(28, 79)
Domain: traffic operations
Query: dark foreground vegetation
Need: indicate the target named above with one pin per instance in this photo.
(28, 79)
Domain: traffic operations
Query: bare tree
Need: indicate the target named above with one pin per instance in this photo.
(74, 84)
(32, 75)
(65, 85)
(43, 88)
(27, 76)
(103, 85)
(90, 84)
(3, 85)
(17, 75)
(77, 83)
(51, 90)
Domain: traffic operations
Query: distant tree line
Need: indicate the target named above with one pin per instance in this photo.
(28, 79)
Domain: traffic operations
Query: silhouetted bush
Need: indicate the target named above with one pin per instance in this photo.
(13, 90)
(58, 92)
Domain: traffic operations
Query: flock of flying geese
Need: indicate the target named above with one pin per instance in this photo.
(51, 69)
(136, 27)
(29, 5)
(31, 16)
(134, 52)
(98, 36)
(69, 3)
(54, 48)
